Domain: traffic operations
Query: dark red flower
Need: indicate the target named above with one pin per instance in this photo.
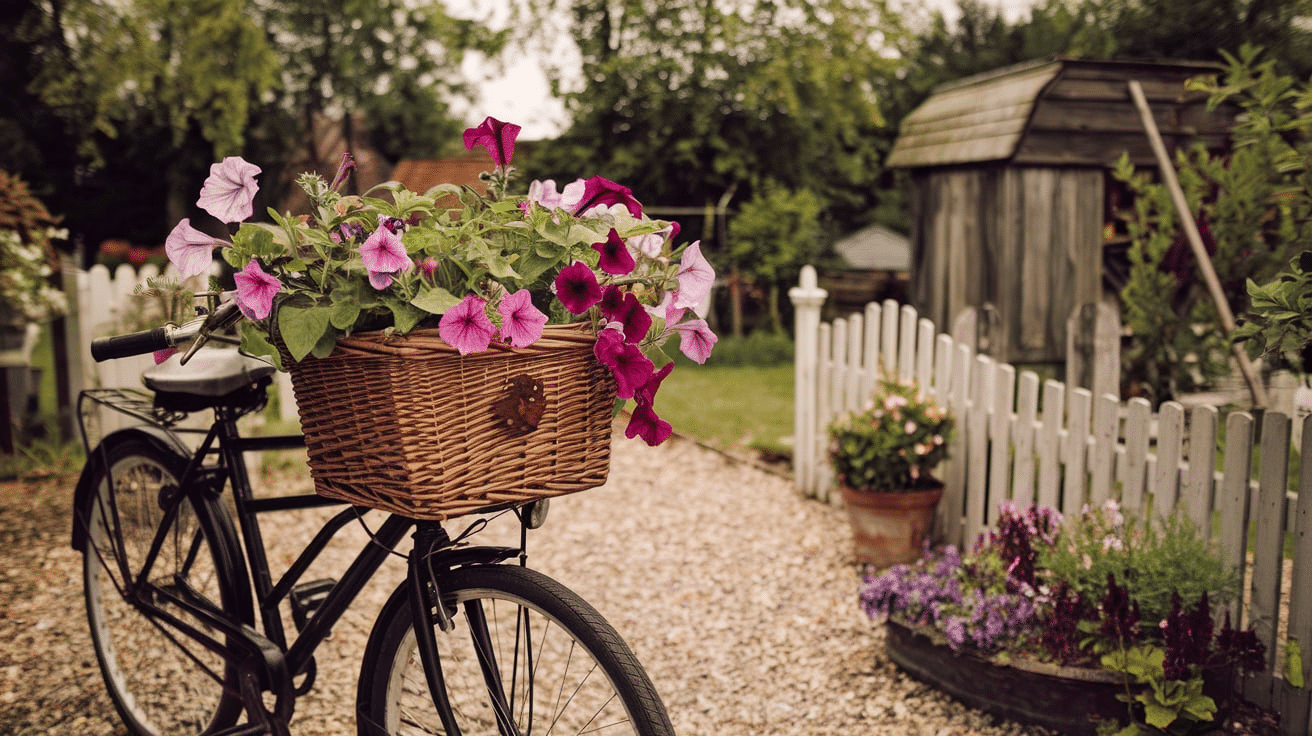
(577, 287)
(497, 137)
(604, 192)
(615, 257)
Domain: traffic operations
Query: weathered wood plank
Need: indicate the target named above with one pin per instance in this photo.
(977, 421)
(1170, 436)
(1232, 496)
(1079, 409)
(1004, 391)
(1268, 544)
(943, 353)
(925, 356)
(1022, 438)
(1102, 457)
(1197, 498)
(1294, 708)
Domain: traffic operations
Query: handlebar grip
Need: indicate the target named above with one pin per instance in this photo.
(134, 343)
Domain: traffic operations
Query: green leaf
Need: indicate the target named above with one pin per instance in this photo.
(255, 343)
(302, 328)
(344, 313)
(1293, 663)
(1157, 715)
(434, 300)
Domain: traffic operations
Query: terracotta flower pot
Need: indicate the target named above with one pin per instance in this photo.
(890, 528)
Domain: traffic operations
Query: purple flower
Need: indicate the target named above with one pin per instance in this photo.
(623, 307)
(497, 137)
(521, 322)
(615, 257)
(696, 339)
(189, 249)
(466, 326)
(545, 194)
(599, 192)
(343, 171)
(230, 189)
(645, 424)
(631, 368)
(255, 290)
(577, 287)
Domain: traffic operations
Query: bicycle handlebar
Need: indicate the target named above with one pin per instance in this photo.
(168, 336)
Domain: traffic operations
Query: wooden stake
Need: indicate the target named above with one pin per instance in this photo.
(1196, 241)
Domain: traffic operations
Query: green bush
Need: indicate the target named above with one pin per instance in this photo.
(759, 348)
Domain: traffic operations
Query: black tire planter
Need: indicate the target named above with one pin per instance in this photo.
(1065, 699)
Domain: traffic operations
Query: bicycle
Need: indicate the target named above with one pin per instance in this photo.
(186, 618)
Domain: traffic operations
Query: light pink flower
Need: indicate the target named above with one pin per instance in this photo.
(255, 290)
(545, 194)
(696, 339)
(384, 253)
(695, 277)
(189, 249)
(230, 189)
(910, 427)
(521, 322)
(466, 326)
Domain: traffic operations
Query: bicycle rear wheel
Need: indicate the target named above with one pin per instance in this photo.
(161, 681)
(553, 664)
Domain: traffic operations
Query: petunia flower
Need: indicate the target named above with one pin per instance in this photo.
(648, 391)
(545, 194)
(344, 170)
(577, 287)
(191, 250)
(646, 424)
(380, 280)
(497, 137)
(466, 326)
(230, 189)
(623, 307)
(615, 257)
(383, 253)
(647, 245)
(521, 322)
(604, 192)
(696, 339)
(695, 277)
(631, 368)
(255, 290)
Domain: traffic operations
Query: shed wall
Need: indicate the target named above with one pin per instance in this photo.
(1026, 240)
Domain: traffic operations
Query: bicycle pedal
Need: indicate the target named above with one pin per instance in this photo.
(307, 597)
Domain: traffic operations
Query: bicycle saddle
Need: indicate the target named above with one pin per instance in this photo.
(212, 372)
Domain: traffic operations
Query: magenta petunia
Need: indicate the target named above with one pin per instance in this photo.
(521, 322)
(380, 279)
(189, 249)
(623, 307)
(600, 192)
(630, 367)
(645, 424)
(497, 137)
(615, 257)
(466, 326)
(255, 290)
(695, 277)
(229, 191)
(577, 287)
(648, 391)
(696, 339)
(384, 253)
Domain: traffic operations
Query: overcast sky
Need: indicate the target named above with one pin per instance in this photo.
(520, 93)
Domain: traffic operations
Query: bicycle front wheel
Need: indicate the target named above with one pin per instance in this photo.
(525, 656)
(161, 680)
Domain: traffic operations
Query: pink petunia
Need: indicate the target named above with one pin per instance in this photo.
(497, 137)
(600, 192)
(230, 189)
(695, 277)
(380, 279)
(615, 257)
(577, 287)
(255, 290)
(466, 326)
(623, 307)
(646, 424)
(696, 339)
(545, 194)
(191, 250)
(630, 367)
(521, 322)
(384, 253)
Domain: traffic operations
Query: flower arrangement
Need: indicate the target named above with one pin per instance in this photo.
(27, 256)
(1102, 591)
(894, 443)
(480, 268)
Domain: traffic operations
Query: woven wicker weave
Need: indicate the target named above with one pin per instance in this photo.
(408, 425)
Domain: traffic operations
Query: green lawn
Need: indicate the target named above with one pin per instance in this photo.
(728, 406)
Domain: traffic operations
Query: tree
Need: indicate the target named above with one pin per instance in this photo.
(773, 236)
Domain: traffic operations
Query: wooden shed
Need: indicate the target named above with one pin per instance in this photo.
(1012, 196)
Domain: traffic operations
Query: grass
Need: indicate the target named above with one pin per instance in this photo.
(731, 405)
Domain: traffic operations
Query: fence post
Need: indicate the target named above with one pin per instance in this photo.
(807, 298)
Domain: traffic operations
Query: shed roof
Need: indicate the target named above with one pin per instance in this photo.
(1056, 112)
(875, 248)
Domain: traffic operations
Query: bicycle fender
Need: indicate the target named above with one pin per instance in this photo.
(162, 440)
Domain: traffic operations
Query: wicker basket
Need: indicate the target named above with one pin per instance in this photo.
(409, 426)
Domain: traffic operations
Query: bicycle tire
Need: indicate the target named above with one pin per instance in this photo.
(148, 666)
(609, 693)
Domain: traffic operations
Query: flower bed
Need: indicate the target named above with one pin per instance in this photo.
(1044, 608)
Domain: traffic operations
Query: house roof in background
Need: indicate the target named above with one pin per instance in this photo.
(875, 248)
(420, 175)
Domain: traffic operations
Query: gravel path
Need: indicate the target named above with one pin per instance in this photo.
(737, 595)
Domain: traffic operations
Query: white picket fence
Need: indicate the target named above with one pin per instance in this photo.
(103, 306)
(1064, 447)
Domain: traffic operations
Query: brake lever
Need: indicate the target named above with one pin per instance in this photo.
(220, 318)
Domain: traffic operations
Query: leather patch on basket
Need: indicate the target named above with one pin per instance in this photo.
(520, 409)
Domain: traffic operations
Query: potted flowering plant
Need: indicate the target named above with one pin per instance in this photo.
(1097, 624)
(884, 457)
(450, 349)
